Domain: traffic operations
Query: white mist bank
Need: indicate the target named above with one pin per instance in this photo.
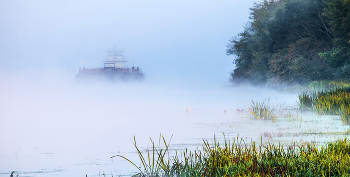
(58, 116)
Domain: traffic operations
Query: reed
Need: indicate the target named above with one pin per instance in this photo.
(328, 84)
(238, 158)
(154, 164)
(295, 120)
(333, 102)
(330, 102)
(306, 101)
(344, 113)
(263, 110)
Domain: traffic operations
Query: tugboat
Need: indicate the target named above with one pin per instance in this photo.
(114, 69)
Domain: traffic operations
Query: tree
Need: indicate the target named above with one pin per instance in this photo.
(282, 42)
(338, 14)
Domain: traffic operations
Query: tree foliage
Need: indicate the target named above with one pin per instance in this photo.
(335, 58)
(293, 41)
(338, 14)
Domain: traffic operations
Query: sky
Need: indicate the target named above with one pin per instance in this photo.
(182, 41)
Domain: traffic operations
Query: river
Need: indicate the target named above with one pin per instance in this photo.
(68, 129)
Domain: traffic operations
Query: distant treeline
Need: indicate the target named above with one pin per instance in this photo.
(293, 42)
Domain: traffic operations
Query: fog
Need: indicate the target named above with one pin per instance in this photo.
(53, 127)
(177, 40)
(180, 47)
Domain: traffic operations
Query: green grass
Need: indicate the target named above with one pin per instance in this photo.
(237, 158)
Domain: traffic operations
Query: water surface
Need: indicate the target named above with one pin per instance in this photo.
(68, 129)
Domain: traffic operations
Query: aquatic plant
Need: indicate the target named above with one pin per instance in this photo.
(238, 158)
(295, 120)
(334, 102)
(328, 84)
(331, 101)
(154, 163)
(306, 101)
(344, 113)
(264, 110)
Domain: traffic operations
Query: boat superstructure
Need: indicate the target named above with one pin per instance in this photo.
(114, 68)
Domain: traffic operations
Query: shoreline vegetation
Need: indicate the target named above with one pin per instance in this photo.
(238, 158)
(334, 101)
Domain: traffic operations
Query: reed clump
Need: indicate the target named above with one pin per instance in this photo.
(329, 84)
(306, 101)
(263, 110)
(334, 102)
(237, 158)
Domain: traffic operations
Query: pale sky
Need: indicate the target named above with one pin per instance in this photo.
(179, 40)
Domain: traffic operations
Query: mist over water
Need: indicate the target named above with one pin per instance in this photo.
(52, 126)
(55, 126)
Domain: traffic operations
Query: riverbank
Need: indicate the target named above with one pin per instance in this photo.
(237, 158)
(279, 153)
